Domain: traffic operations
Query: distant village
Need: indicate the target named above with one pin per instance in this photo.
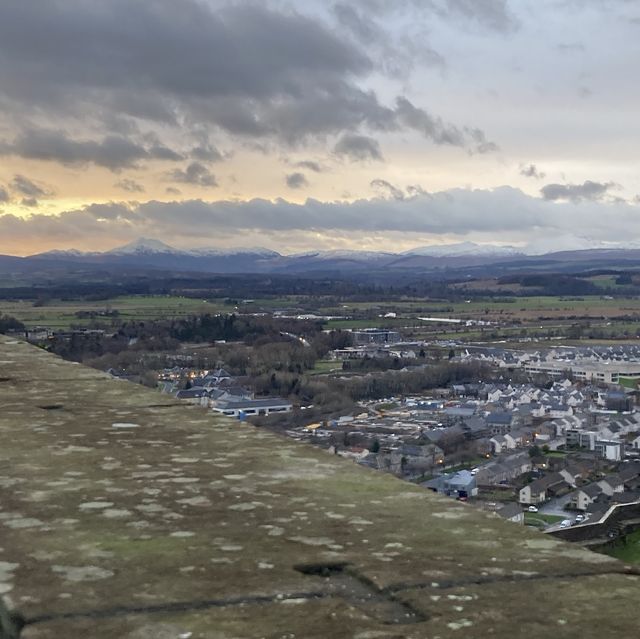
(557, 451)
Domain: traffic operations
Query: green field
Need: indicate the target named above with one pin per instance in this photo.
(57, 314)
(323, 366)
(510, 318)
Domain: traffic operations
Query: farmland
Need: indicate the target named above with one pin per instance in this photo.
(58, 314)
(601, 318)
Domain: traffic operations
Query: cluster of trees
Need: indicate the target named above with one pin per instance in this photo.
(411, 382)
(380, 363)
(8, 323)
(230, 327)
(268, 335)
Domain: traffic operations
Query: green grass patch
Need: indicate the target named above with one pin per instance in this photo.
(497, 495)
(386, 406)
(323, 366)
(541, 520)
(627, 550)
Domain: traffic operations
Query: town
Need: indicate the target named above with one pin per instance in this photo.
(549, 453)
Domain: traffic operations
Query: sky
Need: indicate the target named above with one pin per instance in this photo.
(301, 125)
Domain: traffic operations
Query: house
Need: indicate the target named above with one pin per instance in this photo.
(466, 410)
(215, 378)
(521, 436)
(618, 401)
(574, 472)
(611, 484)
(583, 497)
(512, 512)
(611, 450)
(542, 489)
(498, 444)
(476, 427)
(413, 459)
(580, 438)
(545, 432)
(460, 485)
(193, 395)
(504, 470)
(499, 422)
(630, 475)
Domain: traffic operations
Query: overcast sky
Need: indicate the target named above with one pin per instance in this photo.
(302, 124)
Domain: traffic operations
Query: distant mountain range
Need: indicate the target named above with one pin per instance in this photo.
(471, 258)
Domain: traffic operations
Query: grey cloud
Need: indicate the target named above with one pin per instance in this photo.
(440, 132)
(161, 152)
(247, 69)
(396, 49)
(362, 26)
(431, 127)
(414, 190)
(585, 92)
(4, 194)
(479, 142)
(531, 170)
(310, 165)
(456, 211)
(491, 14)
(31, 202)
(129, 185)
(296, 181)
(173, 191)
(387, 187)
(575, 192)
(195, 173)
(235, 66)
(570, 47)
(25, 186)
(112, 152)
(207, 153)
(358, 148)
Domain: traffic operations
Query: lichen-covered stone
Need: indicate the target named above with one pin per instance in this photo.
(120, 498)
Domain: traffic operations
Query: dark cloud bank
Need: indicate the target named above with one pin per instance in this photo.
(245, 70)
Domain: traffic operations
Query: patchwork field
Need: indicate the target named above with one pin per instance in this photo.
(506, 318)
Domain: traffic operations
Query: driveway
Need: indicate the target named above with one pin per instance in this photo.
(556, 507)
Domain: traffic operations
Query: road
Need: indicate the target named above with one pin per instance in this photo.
(556, 507)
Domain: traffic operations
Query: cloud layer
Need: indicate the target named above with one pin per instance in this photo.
(429, 118)
(504, 213)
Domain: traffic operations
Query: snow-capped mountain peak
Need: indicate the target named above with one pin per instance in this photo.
(143, 246)
(63, 253)
(464, 249)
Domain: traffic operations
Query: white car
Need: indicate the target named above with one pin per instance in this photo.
(532, 509)
(565, 523)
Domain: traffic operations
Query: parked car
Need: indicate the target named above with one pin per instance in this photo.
(580, 517)
(532, 509)
(565, 523)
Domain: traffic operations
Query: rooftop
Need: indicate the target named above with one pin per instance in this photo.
(125, 513)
